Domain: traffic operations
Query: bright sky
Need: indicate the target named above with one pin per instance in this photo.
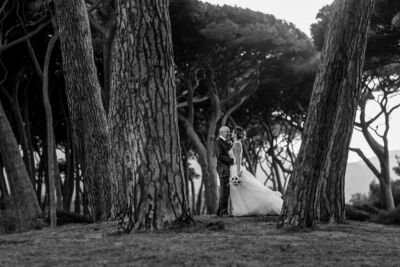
(302, 14)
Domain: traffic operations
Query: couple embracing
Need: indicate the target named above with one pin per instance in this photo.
(241, 194)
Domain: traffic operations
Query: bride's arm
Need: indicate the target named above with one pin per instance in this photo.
(237, 151)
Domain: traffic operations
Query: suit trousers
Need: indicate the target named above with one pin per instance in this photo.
(223, 195)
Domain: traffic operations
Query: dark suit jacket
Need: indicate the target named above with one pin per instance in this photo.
(223, 159)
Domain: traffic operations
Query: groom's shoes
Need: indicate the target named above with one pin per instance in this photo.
(226, 215)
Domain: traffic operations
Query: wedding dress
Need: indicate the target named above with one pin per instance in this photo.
(248, 196)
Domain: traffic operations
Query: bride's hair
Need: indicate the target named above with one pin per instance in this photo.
(241, 134)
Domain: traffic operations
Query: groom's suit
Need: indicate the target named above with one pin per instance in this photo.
(223, 169)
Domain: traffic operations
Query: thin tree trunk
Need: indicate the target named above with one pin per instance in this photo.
(68, 188)
(51, 162)
(57, 180)
(321, 163)
(27, 208)
(39, 184)
(186, 172)
(382, 153)
(88, 117)
(77, 207)
(211, 188)
(85, 202)
(149, 185)
(3, 184)
(69, 172)
(386, 184)
(200, 197)
(29, 136)
(277, 176)
(193, 191)
(210, 185)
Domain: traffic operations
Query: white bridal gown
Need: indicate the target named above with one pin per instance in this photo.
(249, 196)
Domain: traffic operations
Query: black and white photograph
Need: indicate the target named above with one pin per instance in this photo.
(199, 132)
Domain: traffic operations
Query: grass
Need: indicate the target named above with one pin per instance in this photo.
(248, 241)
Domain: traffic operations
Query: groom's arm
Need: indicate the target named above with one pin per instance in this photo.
(223, 157)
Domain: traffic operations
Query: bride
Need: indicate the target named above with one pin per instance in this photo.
(248, 196)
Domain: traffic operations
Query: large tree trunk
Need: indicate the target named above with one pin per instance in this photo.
(26, 205)
(20, 129)
(148, 189)
(88, 118)
(333, 199)
(321, 163)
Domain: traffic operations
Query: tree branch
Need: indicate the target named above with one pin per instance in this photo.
(3, 6)
(367, 162)
(195, 100)
(4, 47)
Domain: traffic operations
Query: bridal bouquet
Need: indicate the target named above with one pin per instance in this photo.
(235, 181)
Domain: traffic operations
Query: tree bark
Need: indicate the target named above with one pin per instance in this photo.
(26, 205)
(88, 117)
(108, 45)
(21, 133)
(321, 163)
(149, 185)
(333, 199)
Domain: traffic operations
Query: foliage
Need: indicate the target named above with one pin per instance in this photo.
(397, 168)
(375, 194)
(318, 29)
(355, 214)
(374, 198)
(359, 199)
(389, 217)
(384, 35)
(371, 207)
(231, 40)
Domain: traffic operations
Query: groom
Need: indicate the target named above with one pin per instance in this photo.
(223, 165)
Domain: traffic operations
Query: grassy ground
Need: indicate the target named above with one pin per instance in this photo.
(251, 241)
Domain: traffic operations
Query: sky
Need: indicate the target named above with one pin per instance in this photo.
(302, 14)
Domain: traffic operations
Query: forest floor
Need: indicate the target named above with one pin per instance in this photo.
(249, 241)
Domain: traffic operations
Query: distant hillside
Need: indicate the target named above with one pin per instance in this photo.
(359, 176)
